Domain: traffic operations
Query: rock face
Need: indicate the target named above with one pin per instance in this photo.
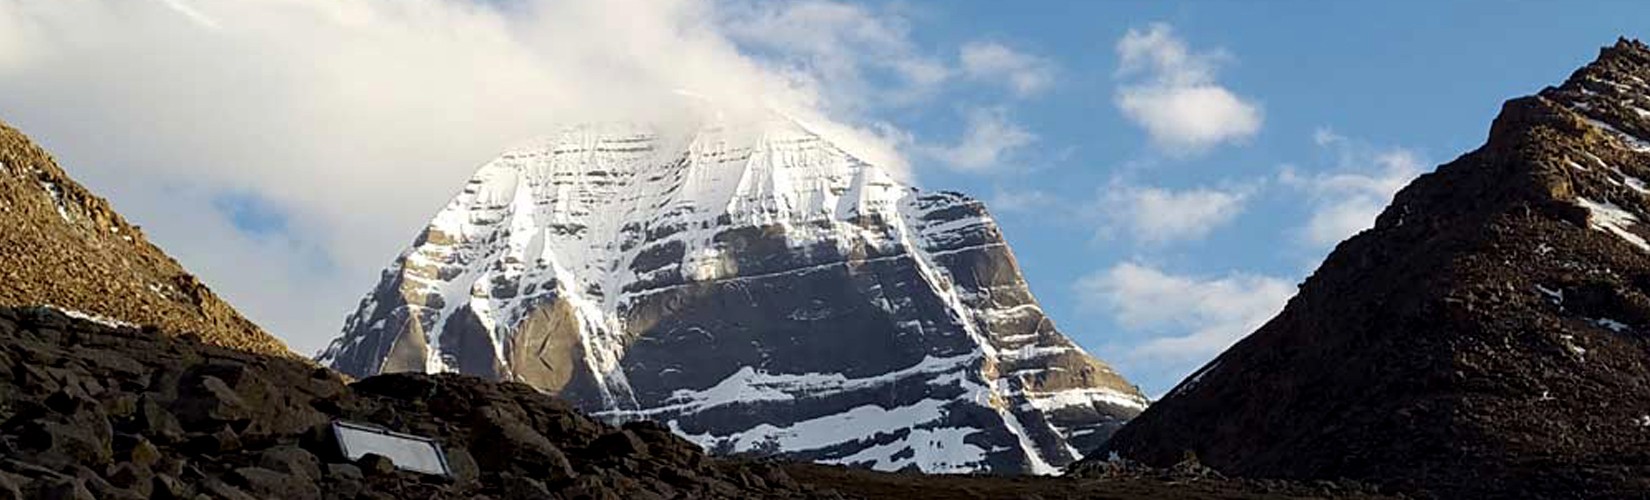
(63, 246)
(101, 411)
(1488, 337)
(754, 287)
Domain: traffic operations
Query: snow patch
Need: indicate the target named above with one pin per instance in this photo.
(1611, 218)
(1612, 325)
(101, 320)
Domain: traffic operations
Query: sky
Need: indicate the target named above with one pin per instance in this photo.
(1166, 172)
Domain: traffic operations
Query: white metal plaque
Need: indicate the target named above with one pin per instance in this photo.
(409, 452)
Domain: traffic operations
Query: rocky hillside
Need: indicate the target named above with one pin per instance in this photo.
(63, 246)
(116, 412)
(753, 286)
(1486, 338)
(98, 411)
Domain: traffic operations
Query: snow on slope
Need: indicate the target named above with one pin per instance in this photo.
(596, 262)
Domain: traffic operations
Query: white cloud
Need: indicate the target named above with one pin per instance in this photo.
(1348, 200)
(1157, 215)
(356, 120)
(989, 138)
(1024, 74)
(855, 56)
(1015, 200)
(1191, 318)
(1172, 93)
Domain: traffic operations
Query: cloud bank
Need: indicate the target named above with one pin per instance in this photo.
(1190, 318)
(344, 125)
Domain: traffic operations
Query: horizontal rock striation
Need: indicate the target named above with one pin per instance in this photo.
(752, 286)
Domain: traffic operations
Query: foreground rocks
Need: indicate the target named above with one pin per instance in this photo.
(93, 411)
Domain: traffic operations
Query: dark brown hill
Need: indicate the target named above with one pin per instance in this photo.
(1486, 338)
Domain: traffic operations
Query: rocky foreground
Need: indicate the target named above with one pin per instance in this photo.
(97, 411)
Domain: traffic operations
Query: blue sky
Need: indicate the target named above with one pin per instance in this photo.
(1421, 77)
(1166, 172)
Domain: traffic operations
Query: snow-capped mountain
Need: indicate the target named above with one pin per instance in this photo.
(753, 286)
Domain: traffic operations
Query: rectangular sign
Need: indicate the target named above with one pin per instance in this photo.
(409, 452)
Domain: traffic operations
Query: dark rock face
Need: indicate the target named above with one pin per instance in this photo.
(1486, 338)
(753, 288)
(63, 246)
(75, 439)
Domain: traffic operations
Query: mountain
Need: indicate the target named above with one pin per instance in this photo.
(64, 247)
(1487, 338)
(751, 284)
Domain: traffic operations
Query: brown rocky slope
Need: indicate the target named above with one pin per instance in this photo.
(1487, 338)
(65, 247)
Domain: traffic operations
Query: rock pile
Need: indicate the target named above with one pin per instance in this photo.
(94, 411)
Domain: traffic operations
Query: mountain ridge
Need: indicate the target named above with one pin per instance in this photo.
(1483, 339)
(67, 248)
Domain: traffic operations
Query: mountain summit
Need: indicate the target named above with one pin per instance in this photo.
(1486, 338)
(752, 285)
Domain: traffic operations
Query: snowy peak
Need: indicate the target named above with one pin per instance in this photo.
(750, 284)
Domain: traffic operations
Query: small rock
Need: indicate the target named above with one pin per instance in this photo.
(143, 453)
(223, 441)
(208, 401)
(271, 484)
(343, 472)
(65, 489)
(155, 422)
(512, 444)
(623, 443)
(132, 477)
(220, 489)
(291, 460)
(9, 489)
(119, 404)
(463, 465)
(523, 488)
(374, 464)
(166, 487)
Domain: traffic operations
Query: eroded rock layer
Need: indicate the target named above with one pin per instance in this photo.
(753, 286)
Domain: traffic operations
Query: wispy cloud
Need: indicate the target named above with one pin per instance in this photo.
(989, 138)
(1172, 93)
(1348, 196)
(1186, 319)
(1022, 73)
(1156, 215)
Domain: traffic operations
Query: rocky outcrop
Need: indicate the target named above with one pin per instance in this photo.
(754, 287)
(65, 247)
(95, 411)
(1486, 338)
